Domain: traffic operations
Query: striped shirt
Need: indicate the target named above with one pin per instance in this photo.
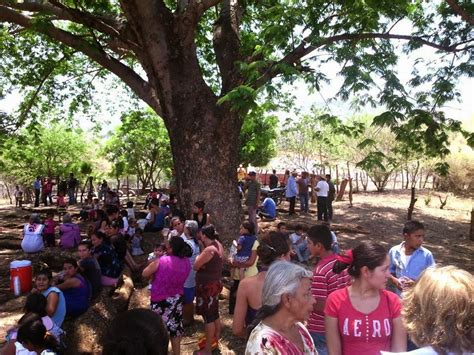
(325, 281)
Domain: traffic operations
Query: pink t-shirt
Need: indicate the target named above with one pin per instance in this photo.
(49, 226)
(364, 334)
(169, 278)
(325, 282)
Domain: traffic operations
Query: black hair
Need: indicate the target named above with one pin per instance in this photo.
(321, 234)
(155, 202)
(210, 232)
(412, 226)
(45, 272)
(299, 227)
(100, 235)
(50, 213)
(111, 210)
(71, 261)
(328, 176)
(281, 224)
(272, 246)
(87, 243)
(137, 331)
(274, 171)
(180, 248)
(129, 204)
(160, 245)
(249, 226)
(124, 213)
(33, 331)
(200, 204)
(368, 254)
(36, 303)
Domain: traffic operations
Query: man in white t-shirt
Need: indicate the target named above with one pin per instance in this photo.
(322, 189)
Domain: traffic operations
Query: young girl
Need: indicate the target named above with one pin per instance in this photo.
(244, 245)
(61, 202)
(49, 230)
(136, 239)
(364, 318)
(56, 304)
(75, 288)
(130, 209)
(201, 217)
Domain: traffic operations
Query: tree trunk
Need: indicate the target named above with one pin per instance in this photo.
(350, 184)
(420, 182)
(357, 182)
(336, 182)
(407, 182)
(471, 233)
(403, 179)
(412, 204)
(128, 188)
(395, 181)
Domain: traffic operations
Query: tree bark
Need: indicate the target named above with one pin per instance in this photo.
(471, 233)
(412, 204)
(336, 182)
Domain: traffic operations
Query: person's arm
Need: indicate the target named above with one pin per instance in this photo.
(240, 311)
(73, 282)
(52, 302)
(151, 268)
(204, 258)
(399, 336)
(208, 219)
(396, 282)
(333, 338)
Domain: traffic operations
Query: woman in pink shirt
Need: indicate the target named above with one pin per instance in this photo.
(167, 288)
(364, 318)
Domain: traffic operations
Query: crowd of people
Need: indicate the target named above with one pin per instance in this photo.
(367, 300)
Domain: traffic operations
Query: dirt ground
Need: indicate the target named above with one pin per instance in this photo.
(380, 215)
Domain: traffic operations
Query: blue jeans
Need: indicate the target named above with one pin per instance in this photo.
(302, 251)
(320, 343)
(304, 206)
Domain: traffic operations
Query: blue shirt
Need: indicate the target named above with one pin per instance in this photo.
(420, 260)
(291, 188)
(58, 316)
(37, 185)
(269, 207)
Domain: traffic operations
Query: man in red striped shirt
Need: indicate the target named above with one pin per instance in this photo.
(325, 281)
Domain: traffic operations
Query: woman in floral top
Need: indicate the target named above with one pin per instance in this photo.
(286, 302)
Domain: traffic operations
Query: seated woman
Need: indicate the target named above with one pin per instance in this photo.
(75, 288)
(90, 267)
(56, 304)
(286, 303)
(137, 331)
(32, 235)
(273, 247)
(438, 312)
(156, 217)
(110, 265)
(70, 233)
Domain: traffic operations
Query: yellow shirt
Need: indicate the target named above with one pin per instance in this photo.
(250, 271)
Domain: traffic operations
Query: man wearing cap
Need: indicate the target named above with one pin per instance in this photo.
(253, 198)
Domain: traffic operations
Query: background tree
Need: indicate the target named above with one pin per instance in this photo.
(201, 65)
(141, 144)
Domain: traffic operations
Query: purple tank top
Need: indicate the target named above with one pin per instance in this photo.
(169, 279)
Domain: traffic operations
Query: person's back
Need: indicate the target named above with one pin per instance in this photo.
(91, 270)
(246, 243)
(273, 184)
(70, 235)
(170, 277)
(32, 240)
(77, 298)
(269, 207)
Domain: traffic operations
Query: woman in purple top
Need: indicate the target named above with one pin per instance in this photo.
(167, 288)
(70, 233)
(75, 288)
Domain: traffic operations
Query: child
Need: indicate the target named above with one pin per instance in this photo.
(18, 196)
(130, 209)
(158, 252)
(49, 230)
(142, 220)
(94, 208)
(33, 335)
(136, 239)
(244, 245)
(300, 244)
(62, 206)
(124, 217)
(325, 281)
(409, 259)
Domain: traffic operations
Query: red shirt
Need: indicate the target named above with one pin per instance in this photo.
(364, 334)
(325, 282)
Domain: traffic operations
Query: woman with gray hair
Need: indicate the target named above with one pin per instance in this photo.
(190, 233)
(286, 302)
(32, 235)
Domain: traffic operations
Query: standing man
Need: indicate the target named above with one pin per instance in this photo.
(37, 188)
(322, 188)
(291, 191)
(303, 183)
(331, 196)
(71, 188)
(273, 184)
(253, 198)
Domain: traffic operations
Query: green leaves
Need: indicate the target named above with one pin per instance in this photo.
(241, 99)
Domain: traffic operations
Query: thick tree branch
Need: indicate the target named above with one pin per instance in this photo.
(461, 12)
(129, 77)
(304, 49)
(227, 43)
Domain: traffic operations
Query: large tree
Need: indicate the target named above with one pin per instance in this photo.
(201, 64)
